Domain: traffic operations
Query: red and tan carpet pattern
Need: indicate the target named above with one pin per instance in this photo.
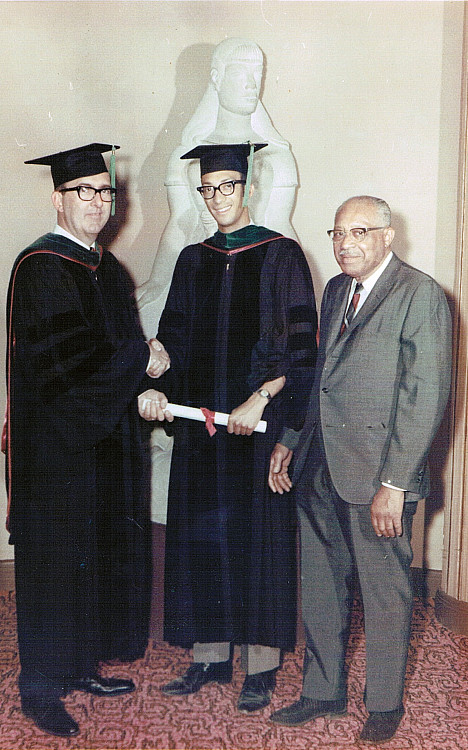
(436, 701)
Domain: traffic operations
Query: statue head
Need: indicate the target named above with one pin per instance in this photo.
(236, 73)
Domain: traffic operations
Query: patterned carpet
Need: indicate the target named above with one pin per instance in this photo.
(436, 702)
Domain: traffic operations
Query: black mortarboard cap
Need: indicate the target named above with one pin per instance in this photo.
(75, 163)
(223, 156)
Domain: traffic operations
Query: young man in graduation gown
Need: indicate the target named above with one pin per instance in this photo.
(77, 516)
(240, 328)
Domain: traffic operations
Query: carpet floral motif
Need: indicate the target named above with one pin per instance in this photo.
(436, 701)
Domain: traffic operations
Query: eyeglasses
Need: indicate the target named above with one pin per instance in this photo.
(225, 188)
(87, 193)
(358, 233)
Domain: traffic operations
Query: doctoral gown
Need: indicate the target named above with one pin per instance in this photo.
(79, 517)
(240, 312)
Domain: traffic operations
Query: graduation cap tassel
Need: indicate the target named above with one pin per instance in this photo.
(112, 178)
(248, 179)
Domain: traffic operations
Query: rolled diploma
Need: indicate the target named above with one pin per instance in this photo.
(191, 412)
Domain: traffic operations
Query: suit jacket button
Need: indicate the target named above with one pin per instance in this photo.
(324, 390)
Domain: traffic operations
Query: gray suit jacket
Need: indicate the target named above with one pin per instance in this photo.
(381, 387)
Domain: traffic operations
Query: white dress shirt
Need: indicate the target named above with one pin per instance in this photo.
(60, 230)
(369, 283)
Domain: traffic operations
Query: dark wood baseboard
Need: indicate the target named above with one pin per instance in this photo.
(426, 582)
(7, 575)
(452, 613)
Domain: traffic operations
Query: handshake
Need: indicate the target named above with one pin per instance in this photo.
(159, 360)
(152, 404)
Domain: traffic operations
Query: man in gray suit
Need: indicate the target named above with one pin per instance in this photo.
(381, 387)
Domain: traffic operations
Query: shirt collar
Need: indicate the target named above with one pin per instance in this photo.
(60, 230)
(371, 281)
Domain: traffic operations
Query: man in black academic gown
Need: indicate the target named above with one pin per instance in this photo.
(239, 326)
(77, 516)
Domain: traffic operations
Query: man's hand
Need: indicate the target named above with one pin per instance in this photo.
(386, 512)
(159, 360)
(244, 418)
(152, 406)
(278, 477)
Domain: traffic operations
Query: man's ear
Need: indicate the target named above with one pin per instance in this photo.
(251, 191)
(57, 200)
(389, 235)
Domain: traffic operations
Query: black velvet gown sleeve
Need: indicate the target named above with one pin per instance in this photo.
(80, 359)
(287, 344)
(176, 323)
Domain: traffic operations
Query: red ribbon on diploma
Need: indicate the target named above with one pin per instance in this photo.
(209, 420)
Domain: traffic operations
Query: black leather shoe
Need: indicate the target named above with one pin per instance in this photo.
(105, 686)
(306, 709)
(50, 716)
(198, 675)
(381, 726)
(257, 691)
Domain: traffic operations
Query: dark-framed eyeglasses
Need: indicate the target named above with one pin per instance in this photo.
(358, 233)
(225, 188)
(87, 193)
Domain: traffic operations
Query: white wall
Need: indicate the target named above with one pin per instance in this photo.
(367, 93)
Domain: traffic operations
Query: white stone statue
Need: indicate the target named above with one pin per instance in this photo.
(229, 112)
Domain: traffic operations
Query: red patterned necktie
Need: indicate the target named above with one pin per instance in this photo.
(352, 307)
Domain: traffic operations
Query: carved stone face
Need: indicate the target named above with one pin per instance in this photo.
(239, 87)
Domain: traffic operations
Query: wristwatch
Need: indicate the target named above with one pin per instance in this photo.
(263, 392)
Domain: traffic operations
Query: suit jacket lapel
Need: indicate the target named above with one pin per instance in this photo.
(337, 314)
(378, 293)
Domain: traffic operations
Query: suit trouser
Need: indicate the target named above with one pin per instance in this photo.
(254, 659)
(337, 540)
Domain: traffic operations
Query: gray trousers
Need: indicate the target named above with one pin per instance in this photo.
(338, 541)
(254, 659)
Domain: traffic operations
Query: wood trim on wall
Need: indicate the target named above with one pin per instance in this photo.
(452, 598)
(452, 613)
(7, 575)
